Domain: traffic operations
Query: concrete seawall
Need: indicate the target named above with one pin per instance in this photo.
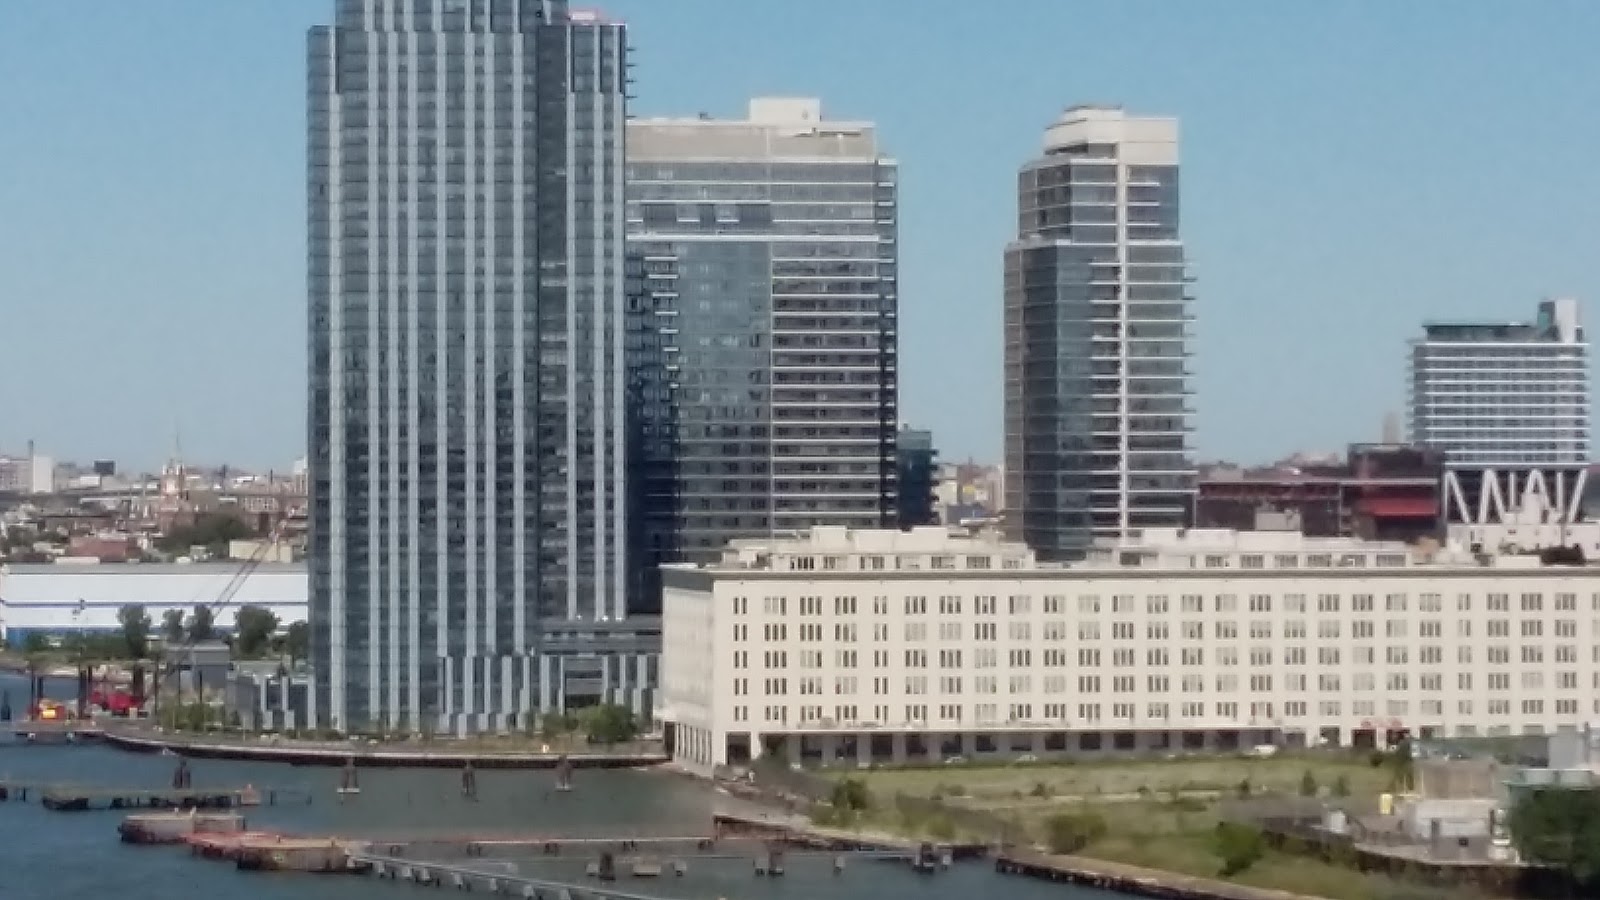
(305, 754)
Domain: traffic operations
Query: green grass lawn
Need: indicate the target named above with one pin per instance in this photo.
(1008, 785)
(1159, 813)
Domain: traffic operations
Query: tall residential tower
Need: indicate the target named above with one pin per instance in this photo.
(1507, 403)
(467, 401)
(1097, 415)
(770, 263)
(1502, 394)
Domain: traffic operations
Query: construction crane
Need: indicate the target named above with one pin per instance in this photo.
(223, 600)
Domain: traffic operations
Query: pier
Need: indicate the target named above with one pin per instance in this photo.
(503, 880)
(48, 732)
(81, 798)
(441, 756)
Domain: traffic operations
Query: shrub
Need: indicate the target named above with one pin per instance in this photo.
(1341, 787)
(1041, 790)
(851, 794)
(1308, 784)
(1071, 832)
(1238, 846)
(1244, 788)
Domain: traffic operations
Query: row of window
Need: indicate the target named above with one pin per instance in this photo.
(1224, 683)
(1156, 604)
(1018, 713)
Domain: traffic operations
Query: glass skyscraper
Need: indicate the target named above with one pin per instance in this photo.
(469, 542)
(1097, 415)
(768, 257)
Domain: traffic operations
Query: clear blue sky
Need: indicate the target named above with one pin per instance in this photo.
(1350, 168)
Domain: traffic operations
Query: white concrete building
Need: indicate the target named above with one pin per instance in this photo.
(894, 645)
(59, 599)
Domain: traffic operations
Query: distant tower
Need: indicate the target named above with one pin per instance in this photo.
(1391, 428)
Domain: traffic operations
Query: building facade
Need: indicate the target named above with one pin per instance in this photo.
(1507, 395)
(769, 257)
(469, 542)
(56, 599)
(917, 645)
(1097, 416)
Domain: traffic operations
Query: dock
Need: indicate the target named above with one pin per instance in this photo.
(302, 753)
(48, 732)
(1130, 880)
(271, 852)
(679, 847)
(505, 880)
(177, 827)
(82, 798)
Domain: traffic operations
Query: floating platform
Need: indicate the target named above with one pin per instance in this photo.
(176, 827)
(288, 854)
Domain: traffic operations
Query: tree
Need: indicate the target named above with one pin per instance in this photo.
(1238, 846)
(554, 726)
(1341, 786)
(297, 641)
(172, 626)
(1308, 784)
(850, 794)
(609, 723)
(1560, 828)
(201, 624)
(135, 623)
(35, 643)
(211, 530)
(1071, 832)
(253, 630)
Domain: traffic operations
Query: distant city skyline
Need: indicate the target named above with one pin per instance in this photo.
(153, 273)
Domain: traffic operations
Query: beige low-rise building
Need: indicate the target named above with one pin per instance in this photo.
(891, 646)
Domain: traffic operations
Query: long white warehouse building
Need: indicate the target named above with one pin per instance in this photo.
(891, 646)
(60, 599)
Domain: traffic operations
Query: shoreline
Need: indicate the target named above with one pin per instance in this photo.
(1137, 881)
(304, 754)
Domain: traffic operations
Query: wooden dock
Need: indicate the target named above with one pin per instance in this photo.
(84, 798)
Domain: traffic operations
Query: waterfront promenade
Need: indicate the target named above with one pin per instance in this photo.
(439, 753)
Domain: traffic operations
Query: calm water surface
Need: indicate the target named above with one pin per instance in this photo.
(76, 856)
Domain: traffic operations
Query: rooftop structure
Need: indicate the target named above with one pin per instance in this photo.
(1379, 492)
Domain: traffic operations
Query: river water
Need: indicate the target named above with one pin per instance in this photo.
(76, 856)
